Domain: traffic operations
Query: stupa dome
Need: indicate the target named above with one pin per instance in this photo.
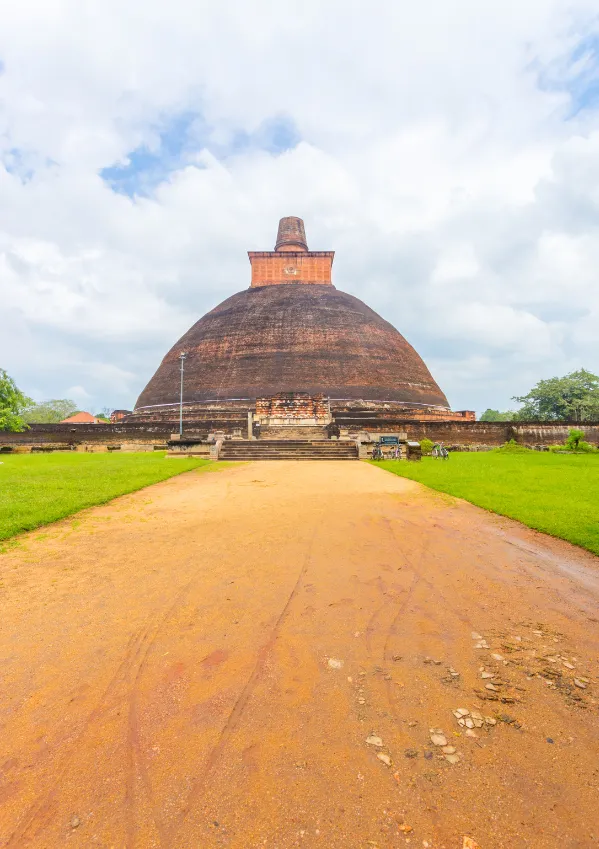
(292, 331)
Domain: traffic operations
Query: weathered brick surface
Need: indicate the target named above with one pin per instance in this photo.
(381, 412)
(74, 433)
(293, 338)
(291, 234)
(450, 432)
(469, 433)
(151, 433)
(542, 433)
(233, 414)
(289, 266)
(293, 406)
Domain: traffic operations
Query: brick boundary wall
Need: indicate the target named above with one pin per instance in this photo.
(451, 433)
(540, 433)
(467, 433)
(109, 434)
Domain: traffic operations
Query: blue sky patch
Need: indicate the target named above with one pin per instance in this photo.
(16, 162)
(178, 141)
(148, 166)
(584, 87)
(274, 135)
(578, 76)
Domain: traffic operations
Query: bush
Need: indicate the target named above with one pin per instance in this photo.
(426, 445)
(512, 447)
(574, 437)
(582, 448)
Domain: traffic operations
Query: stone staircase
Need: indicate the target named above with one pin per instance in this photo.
(287, 449)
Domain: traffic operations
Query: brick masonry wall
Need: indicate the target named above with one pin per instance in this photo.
(451, 433)
(292, 406)
(113, 434)
(192, 414)
(344, 411)
(477, 433)
(274, 269)
(541, 433)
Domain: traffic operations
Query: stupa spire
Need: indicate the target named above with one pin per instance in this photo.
(291, 261)
(291, 235)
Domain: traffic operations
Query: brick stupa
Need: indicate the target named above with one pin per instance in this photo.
(292, 331)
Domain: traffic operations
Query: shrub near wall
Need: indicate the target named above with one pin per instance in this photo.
(575, 444)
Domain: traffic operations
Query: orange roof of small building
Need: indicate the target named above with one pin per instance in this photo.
(82, 418)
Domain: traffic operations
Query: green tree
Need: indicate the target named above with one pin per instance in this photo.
(495, 416)
(574, 397)
(50, 412)
(104, 414)
(12, 404)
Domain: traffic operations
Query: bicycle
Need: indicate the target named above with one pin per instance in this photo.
(439, 452)
(377, 452)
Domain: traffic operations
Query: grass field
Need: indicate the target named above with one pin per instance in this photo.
(557, 494)
(36, 489)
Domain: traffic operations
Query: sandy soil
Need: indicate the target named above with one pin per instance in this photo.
(201, 663)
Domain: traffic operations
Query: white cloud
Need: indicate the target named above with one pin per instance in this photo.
(79, 393)
(442, 157)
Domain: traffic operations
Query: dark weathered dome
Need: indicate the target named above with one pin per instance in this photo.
(294, 337)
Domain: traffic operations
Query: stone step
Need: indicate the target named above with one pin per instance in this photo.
(283, 449)
(294, 448)
(334, 443)
(322, 446)
(286, 457)
(297, 453)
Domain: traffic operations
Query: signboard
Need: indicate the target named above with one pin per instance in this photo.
(389, 440)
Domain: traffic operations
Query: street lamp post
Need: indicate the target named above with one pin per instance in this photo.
(182, 356)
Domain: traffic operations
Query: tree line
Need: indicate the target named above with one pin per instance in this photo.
(572, 398)
(17, 410)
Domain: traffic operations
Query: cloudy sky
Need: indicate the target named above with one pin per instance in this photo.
(447, 151)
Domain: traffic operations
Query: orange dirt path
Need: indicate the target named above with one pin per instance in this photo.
(199, 665)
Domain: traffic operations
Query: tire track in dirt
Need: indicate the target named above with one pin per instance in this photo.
(415, 567)
(390, 604)
(126, 676)
(232, 722)
(42, 804)
(440, 535)
(415, 562)
(135, 760)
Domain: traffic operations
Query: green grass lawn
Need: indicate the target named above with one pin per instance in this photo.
(557, 494)
(36, 489)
